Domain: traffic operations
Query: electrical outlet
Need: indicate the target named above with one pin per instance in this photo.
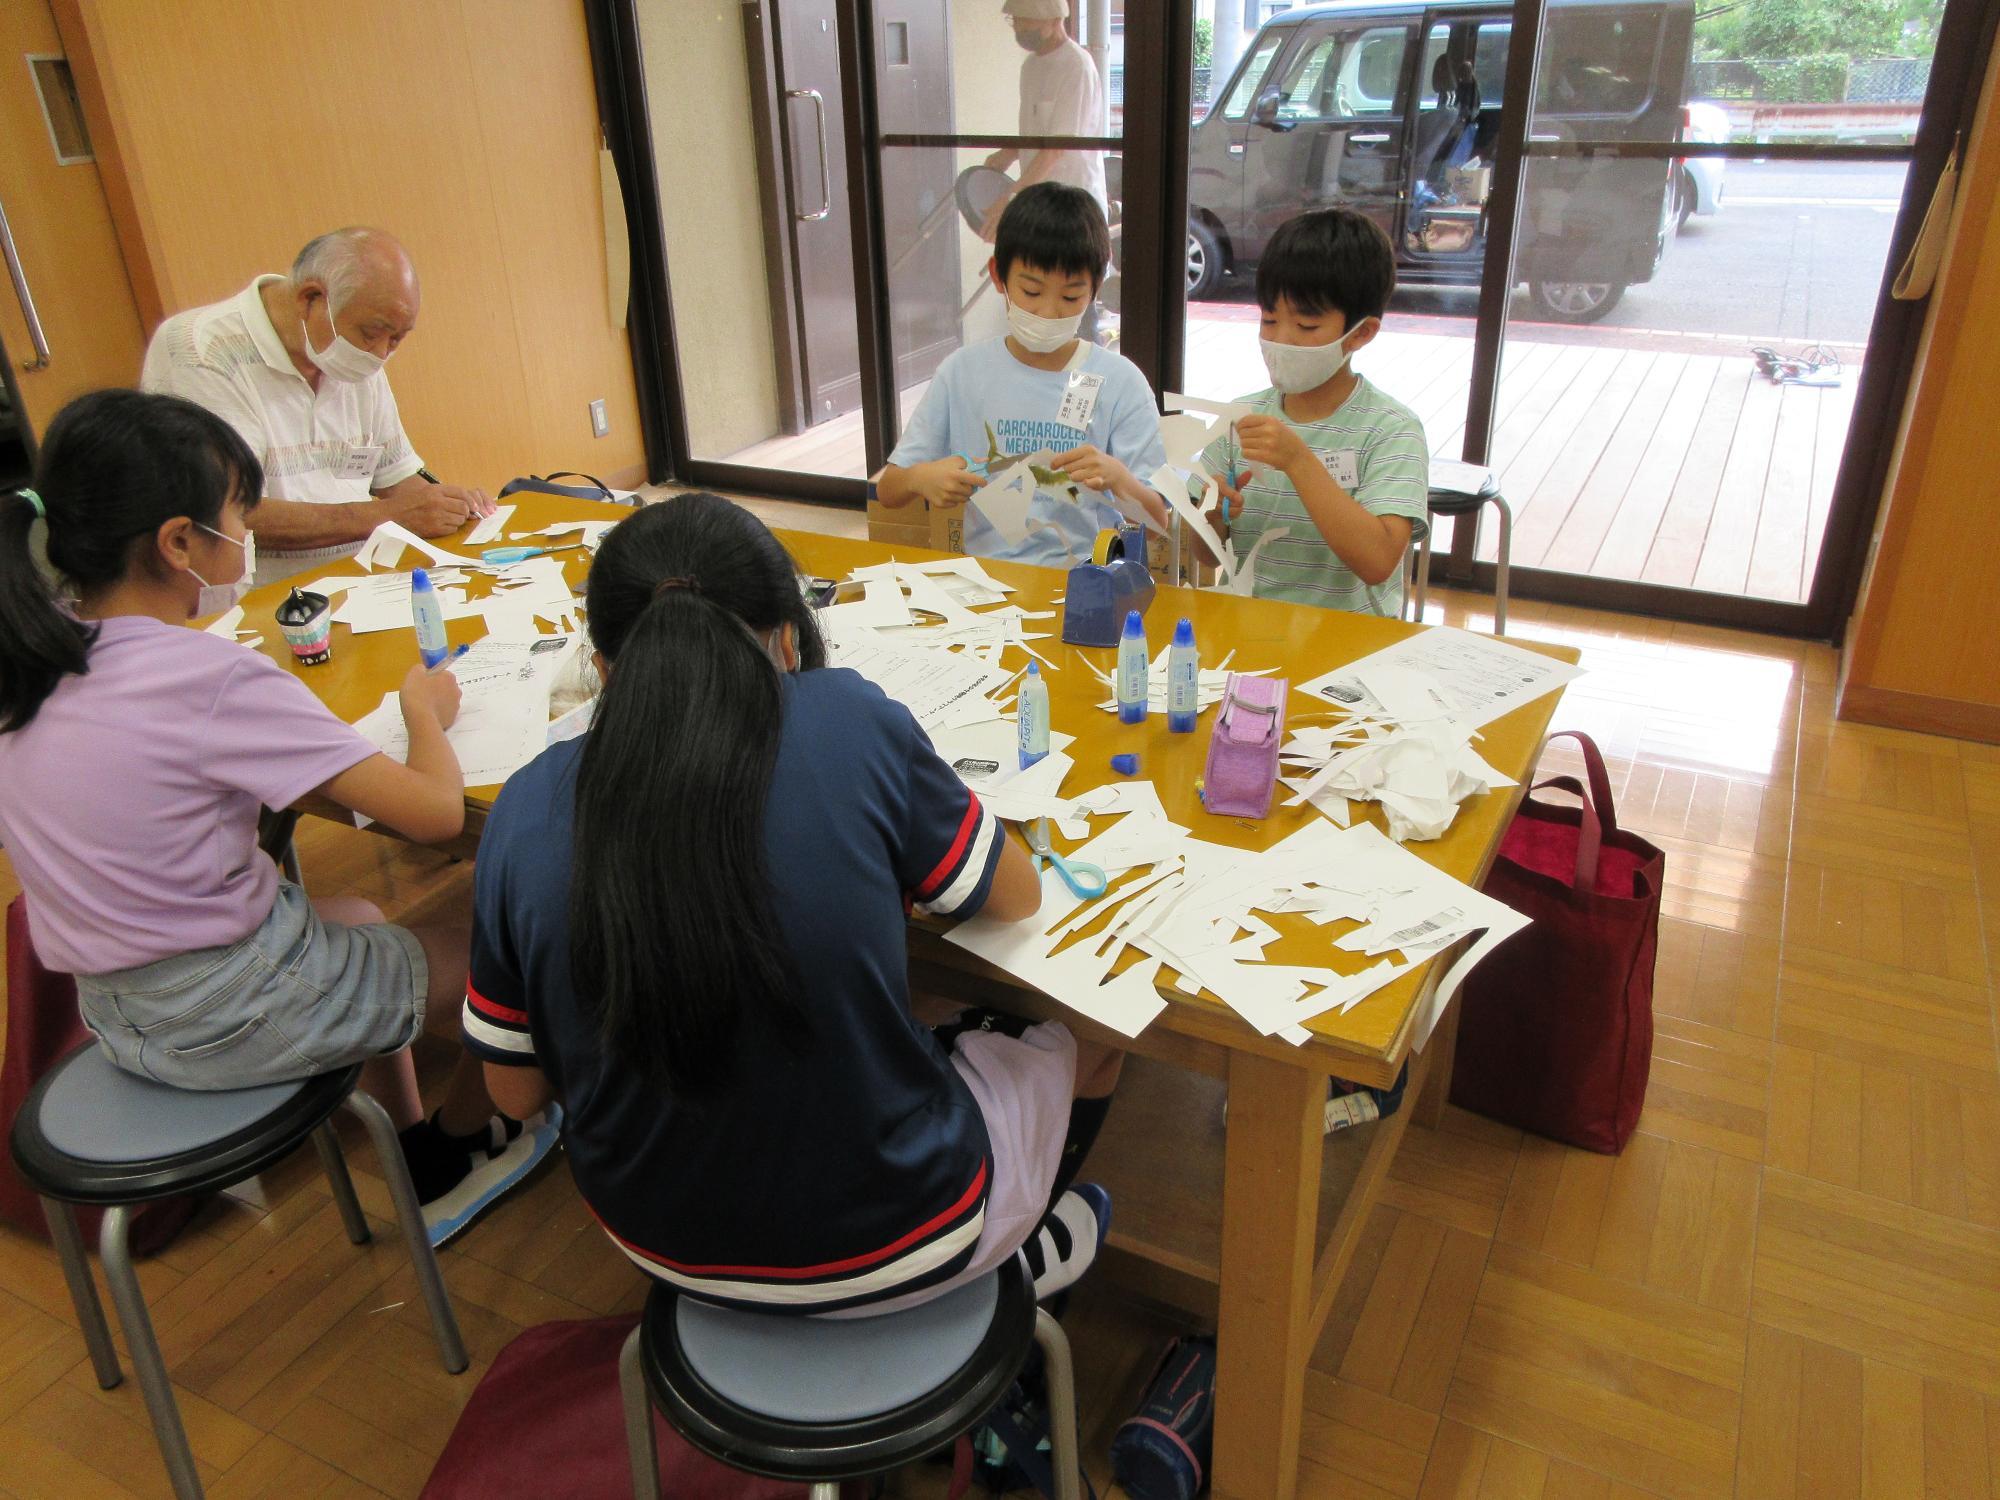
(600, 423)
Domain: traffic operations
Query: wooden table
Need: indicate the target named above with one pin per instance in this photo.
(1272, 1280)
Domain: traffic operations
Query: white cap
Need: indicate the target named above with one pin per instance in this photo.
(1037, 10)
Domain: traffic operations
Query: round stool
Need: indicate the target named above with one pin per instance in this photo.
(89, 1133)
(827, 1399)
(1456, 503)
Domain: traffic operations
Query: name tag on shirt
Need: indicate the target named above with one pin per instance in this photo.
(361, 461)
(1079, 399)
(1344, 464)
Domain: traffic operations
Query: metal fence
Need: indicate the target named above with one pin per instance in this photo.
(1888, 80)
(1817, 78)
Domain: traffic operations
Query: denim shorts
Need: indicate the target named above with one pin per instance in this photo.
(298, 996)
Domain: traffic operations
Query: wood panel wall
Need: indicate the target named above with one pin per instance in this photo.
(62, 229)
(240, 128)
(1923, 649)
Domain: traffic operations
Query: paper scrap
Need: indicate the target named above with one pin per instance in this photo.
(490, 527)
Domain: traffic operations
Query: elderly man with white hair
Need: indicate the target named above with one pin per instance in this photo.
(1061, 94)
(295, 364)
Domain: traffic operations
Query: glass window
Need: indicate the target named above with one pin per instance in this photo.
(1598, 62)
(1346, 76)
(1305, 95)
(1489, 61)
(1376, 70)
(1252, 77)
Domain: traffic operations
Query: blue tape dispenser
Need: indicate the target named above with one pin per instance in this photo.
(1100, 591)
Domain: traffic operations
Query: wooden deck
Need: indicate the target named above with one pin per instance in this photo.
(1671, 465)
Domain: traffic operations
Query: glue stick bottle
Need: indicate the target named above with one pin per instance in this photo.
(1183, 680)
(1031, 716)
(429, 616)
(1132, 669)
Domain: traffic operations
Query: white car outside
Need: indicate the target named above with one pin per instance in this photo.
(1701, 176)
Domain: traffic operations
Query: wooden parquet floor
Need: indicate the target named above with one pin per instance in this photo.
(1787, 1288)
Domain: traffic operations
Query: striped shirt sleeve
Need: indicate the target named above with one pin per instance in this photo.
(951, 844)
(1396, 471)
(495, 1017)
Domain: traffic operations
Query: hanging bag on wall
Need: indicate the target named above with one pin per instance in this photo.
(1556, 1035)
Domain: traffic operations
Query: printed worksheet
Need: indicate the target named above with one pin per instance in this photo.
(1476, 677)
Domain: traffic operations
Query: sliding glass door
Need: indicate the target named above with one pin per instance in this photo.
(1643, 255)
(829, 175)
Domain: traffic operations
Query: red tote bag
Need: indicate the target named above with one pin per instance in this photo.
(43, 1027)
(1556, 1031)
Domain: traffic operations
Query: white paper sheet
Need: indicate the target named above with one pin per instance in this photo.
(987, 754)
(1240, 577)
(503, 711)
(490, 527)
(386, 542)
(929, 683)
(382, 602)
(1005, 497)
(1478, 677)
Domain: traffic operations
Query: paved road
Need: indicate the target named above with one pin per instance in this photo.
(1794, 256)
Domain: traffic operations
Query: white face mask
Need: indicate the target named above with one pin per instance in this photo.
(1039, 335)
(341, 360)
(214, 598)
(1296, 368)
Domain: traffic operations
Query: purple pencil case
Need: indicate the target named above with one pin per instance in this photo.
(1242, 766)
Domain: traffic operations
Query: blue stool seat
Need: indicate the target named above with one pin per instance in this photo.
(822, 1400)
(822, 1370)
(92, 1133)
(89, 1133)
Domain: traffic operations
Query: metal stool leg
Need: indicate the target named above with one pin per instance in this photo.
(83, 1291)
(639, 1448)
(410, 1215)
(826, 1489)
(1500, 566)
(114, 1250)
(1062, 1406)
(327, 1144)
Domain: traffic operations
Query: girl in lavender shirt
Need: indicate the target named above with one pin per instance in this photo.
(135, 755)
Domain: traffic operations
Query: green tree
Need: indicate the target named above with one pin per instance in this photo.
(1798, 28)
(1204, 42)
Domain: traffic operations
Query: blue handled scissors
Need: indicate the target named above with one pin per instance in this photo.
(1085, 880)
(499, 557)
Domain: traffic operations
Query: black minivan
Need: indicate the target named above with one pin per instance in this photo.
(1392, 107)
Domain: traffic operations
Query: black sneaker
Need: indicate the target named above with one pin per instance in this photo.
(493, 1167)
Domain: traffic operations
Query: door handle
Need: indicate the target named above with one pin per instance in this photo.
(1373, 138)
(28, 313)
(825, 182)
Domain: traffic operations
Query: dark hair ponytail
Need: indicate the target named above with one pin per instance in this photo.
(114, 467)
(673, 935)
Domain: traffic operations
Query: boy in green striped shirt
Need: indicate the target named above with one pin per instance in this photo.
(1329, 457)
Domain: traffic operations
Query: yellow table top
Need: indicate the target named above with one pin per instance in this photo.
(1300, 640)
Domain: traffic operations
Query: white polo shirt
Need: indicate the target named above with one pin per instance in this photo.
(331, 446)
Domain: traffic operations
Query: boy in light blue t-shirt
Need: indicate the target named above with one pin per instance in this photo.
(1040, 387)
